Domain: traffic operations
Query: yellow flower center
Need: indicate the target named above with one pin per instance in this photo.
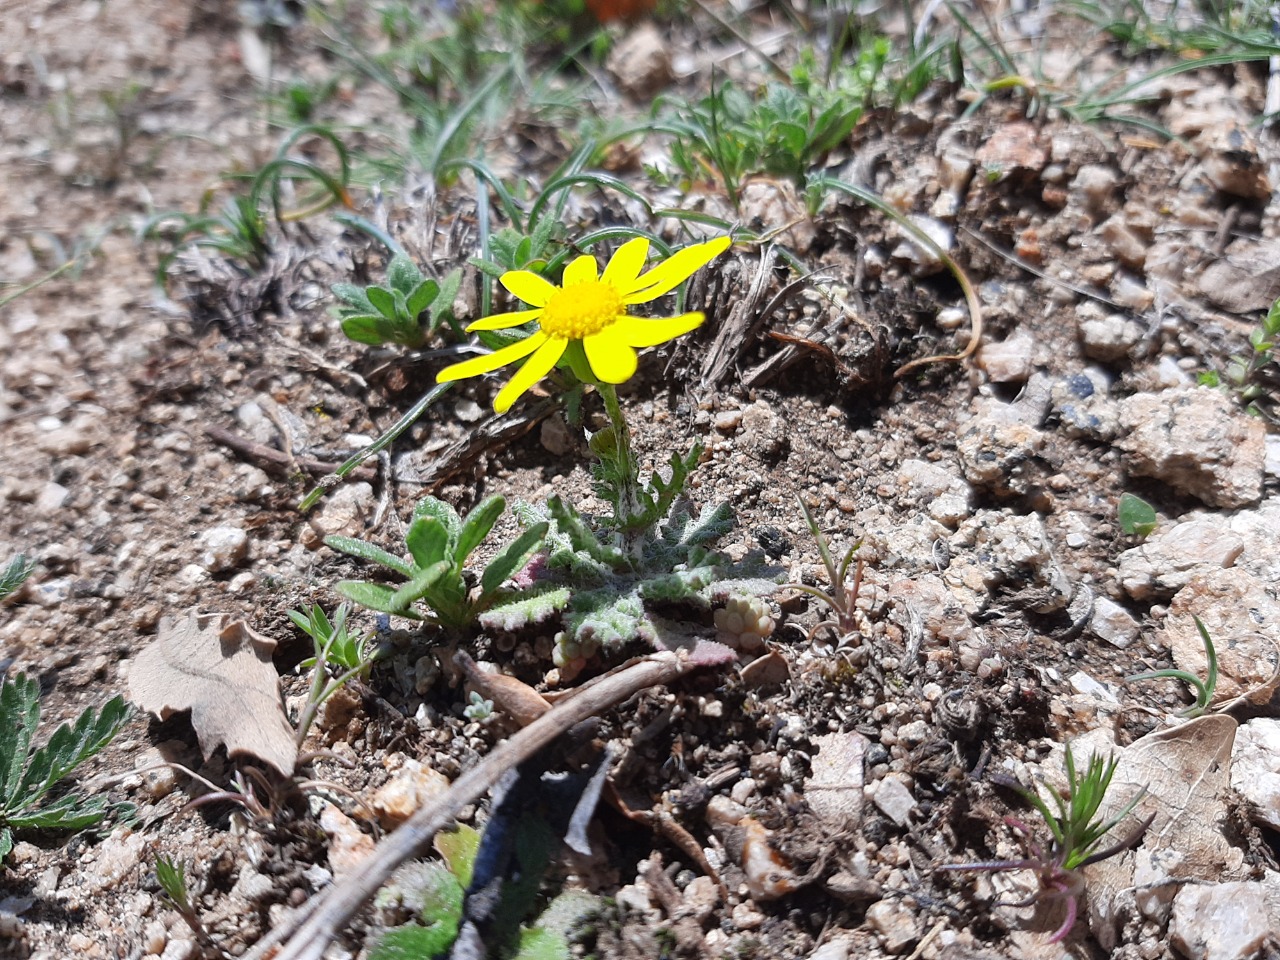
(580, 310)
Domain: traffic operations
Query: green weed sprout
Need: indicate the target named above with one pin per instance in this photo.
(842, 598)
(1076, 833)
(1204, 689)
(439, 543)
(27, 775)
(407, 311)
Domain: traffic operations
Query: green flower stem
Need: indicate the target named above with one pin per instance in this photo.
(628, 504)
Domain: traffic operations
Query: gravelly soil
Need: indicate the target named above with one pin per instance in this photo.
(984, 492)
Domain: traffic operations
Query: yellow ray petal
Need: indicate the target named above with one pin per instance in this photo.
(504, 321)
(534, 369)
(580, 270)
(624, 266)
(529, 287)
(611, 359)
(492, 361)
(675, 270)
(651, 331)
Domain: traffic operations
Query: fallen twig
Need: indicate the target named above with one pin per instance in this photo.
(276, 461)
(311, 930)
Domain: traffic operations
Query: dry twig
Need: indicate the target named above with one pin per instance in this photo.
(311, 930)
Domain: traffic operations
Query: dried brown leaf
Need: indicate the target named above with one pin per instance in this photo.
(222, 673)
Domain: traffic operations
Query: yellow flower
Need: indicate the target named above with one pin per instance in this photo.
(590, 309)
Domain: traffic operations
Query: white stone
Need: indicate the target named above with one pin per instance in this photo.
(222, 547)
(1113, 623)
(1170, 558)
(1255, 769)
(1226, 921)
(897, 925)
(894, 800)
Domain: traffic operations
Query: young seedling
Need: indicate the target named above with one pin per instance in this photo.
(1204, 689)
(406, 311)
(439, 543)
(27, 775)
(1076, 833)
(1136, 517)
(334, 646)
(842, 600)
(172, 877)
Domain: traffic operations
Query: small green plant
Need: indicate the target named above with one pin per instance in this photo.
(334, 647)
(1204, 689)
(842, 598)
(1076, 834)
(27, 775)
(1136, 517)
(407, 311)
(438, 543)
(1255, 378)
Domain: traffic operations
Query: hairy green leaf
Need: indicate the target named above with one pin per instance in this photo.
(383, 301)
(367, 551)
(477, 526)
(428, 541)
(421, 297)
(513, 558)
(375, 596)
(420, 585)
(403, 274)
(517, 611)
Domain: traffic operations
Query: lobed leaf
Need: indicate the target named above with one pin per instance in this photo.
(19, 717)
(69, 812)
(71, 745)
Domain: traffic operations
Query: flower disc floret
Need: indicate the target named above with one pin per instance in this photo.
(588, 308)
(582, 310)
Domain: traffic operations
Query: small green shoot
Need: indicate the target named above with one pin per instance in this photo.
(172, 877)
(1204, 689)
(1137, 518)
(27, 775)
(1077, 833)
(439, 543)
(407, 311)
(842, 599)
